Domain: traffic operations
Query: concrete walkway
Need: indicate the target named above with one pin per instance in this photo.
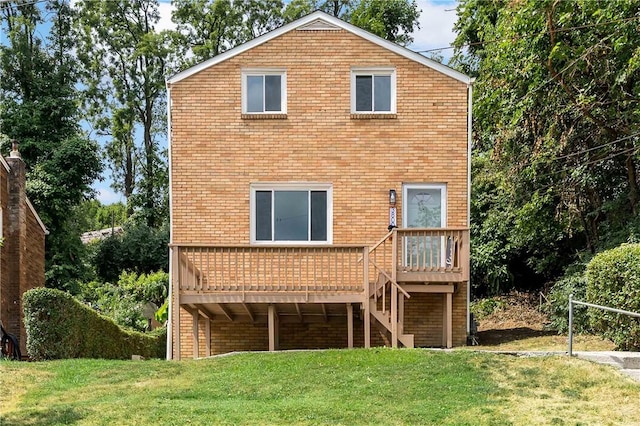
(627, 362)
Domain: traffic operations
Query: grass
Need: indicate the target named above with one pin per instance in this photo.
(499, 340)
(377, 386)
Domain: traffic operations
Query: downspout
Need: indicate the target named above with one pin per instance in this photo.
(169, 355)
(469, 143)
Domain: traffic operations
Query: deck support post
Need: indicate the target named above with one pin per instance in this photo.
(401, 300)
(195, 317)
(349, 325)
(207, 329)
(394, 316)
(447, 320)
(273, 328)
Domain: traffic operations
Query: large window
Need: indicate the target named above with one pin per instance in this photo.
(373, 91)
(264, 92)
(291, 213)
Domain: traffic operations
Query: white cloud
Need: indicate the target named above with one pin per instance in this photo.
(106, 196)
(436, 26)
(165, 9)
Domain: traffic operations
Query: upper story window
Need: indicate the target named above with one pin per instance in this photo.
(264, 91)
(373, 91)
(298, 213)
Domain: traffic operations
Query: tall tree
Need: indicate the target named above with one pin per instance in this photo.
(124, 62)
(39, 108)
(556, 109)
(208, 28)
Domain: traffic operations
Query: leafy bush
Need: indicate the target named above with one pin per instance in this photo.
(574, 282)
(60, 327)
(125, 301)
(484, 307)
(613, 279)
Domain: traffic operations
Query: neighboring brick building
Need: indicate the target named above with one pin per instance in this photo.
(22, 251)
(290, 156)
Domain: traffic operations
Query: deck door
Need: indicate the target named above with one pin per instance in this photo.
(424, 206)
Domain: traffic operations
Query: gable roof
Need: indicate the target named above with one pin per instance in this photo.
(324, 21)
(4, 163)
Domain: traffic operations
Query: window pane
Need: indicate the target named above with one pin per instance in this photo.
(318, 215)
(254, 93)
(382, 90)
(272, 92)
(263, 215)
(291, 221)
(363, 93)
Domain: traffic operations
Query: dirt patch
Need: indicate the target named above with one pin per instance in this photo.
(514, 311)
(517, 316)
(516, 322)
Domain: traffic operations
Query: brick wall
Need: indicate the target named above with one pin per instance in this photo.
(22, 255)
(216, 154)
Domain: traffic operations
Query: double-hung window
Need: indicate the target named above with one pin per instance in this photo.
(264, 91)
(373, 91)
(300, 213)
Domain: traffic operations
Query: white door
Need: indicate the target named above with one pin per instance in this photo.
(424, 206)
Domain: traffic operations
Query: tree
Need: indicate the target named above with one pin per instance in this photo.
(393, 20)
(206, 29)
(124, 65)
(39, 108)
(556, 111)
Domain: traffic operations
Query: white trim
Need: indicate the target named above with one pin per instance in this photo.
(5, 164)
(373, 71)
(329, 20)
(35, 214)
(263, 72)
(290, 186)
(443, 200)
(169, 344)
(318, 25)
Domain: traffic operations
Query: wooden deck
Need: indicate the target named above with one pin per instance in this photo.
(299, 282)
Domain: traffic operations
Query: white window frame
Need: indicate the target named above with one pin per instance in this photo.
(356, 71)
(443, 213)
(443, 201)
(291, 187)
(262, 72)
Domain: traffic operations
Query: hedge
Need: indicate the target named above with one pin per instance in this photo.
(60, 327)
(613, 279)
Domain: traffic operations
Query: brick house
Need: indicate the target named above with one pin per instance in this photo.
(319, 192)
(22, 251)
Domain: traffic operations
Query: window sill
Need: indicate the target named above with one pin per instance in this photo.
(374, 116)
(263, 116)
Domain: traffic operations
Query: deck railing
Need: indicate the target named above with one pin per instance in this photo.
(432, 250)
(243, 268)
(438, 253)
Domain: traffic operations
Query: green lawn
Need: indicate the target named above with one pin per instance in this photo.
(377, 386)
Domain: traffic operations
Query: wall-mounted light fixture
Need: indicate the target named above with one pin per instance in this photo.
(392, 209)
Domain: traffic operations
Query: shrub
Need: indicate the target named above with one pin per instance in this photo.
(558, 303)
(60, 327)
(126, 300)
(613, 279)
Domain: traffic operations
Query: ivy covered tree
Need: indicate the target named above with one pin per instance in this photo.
(556, 123)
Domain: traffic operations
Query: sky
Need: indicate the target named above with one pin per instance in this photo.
(437, 18)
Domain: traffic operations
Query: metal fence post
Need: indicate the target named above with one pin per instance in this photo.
(571, 325)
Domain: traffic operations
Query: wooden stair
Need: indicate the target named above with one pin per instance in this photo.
(383, 317)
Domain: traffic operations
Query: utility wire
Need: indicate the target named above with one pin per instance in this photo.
(558, 30)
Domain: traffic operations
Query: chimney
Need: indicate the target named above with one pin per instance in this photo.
(14, 281)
